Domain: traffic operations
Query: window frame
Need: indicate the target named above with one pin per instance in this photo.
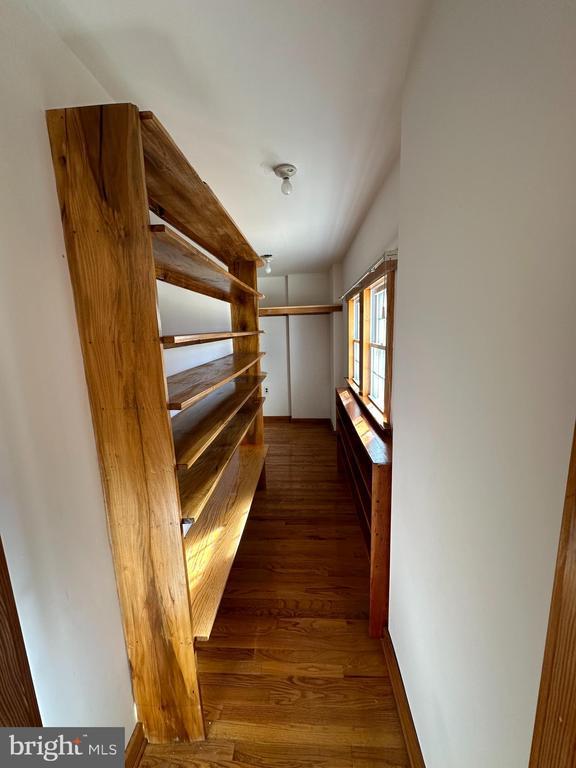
(381, 283)
(354, 338)
(361, 296)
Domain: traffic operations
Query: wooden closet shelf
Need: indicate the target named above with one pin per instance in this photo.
(179, 196)
(180, 263)
(309, 309)
(198, 482)
(210, 546)
(189, 386)
(196, 428)
(183, 340)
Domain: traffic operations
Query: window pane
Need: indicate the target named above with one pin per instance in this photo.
(377, 375)
(378, 315)
(356, 357)
(357, 317)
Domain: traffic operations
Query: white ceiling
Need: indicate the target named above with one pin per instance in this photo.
(245, 84)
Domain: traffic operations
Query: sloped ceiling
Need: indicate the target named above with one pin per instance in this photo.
(243, 85)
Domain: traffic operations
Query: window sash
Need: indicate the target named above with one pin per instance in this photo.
(378, 307)
(356, 361)
(370, 340)
(377, 375)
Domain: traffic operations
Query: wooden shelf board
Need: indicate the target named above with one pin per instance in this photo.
(211, 544)
(197, 483)
(196, 428)
(187, 387)
(183, 340)
(180, 263)
(179, 196)
(311, 309)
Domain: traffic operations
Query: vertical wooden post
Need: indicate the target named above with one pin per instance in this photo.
(380, 549)
(244, 315)
(98, 163)
(554, 738)
(18, 703)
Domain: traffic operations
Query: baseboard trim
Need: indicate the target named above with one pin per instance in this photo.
(402, 705)
(136, 746)
(310, 421)
(290, 420)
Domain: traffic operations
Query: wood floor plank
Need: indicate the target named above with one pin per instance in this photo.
(293, 756)
(370, 757)
(309, 715)
(316, 735)
(186, 755)
(297, 633)
(361, 693)
(353, 663)
(289, 675)
(288, 609)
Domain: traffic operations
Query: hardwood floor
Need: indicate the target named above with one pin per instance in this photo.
(289, 677)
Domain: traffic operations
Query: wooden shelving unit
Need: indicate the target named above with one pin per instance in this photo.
(308, 309)
(111, 165)
(366, 458)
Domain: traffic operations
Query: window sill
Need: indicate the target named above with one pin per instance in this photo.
(375, 416)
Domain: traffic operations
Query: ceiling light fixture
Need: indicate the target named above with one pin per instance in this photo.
(285, 171)
(268, 267)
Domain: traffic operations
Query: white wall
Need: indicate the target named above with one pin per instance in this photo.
(338, 351)
(313, 288)
(310, 348)
(274, 341)
(274, 288)
(377, 233)
(53, 522)
(310, 372)
(299, 357)
(182, 312)
(485, 369)
(276, 387)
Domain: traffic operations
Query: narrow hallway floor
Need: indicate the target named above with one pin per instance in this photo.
(289, 677)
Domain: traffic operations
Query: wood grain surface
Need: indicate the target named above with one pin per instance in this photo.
(198, 482)
(187, 387)
(211, 543)
(554, 740)
(98, 163)
(18, 704)
(197, 427)
(310, 309)
(180, 263)
(185, 339)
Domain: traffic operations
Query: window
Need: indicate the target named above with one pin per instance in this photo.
(370, 319)
(378, 304)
